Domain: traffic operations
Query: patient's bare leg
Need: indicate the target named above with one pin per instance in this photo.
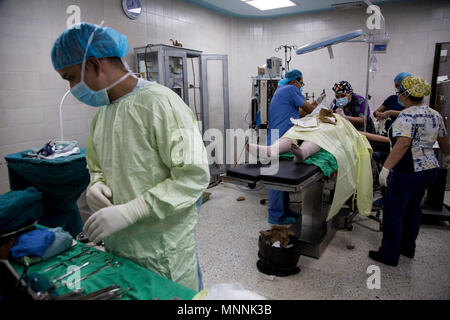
(303, 152)
(270, 152)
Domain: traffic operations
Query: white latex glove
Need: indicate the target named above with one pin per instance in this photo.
(111, 219)
(340, 112)
(97, 196)
(382, 179)
(446, 161)
(103, 223)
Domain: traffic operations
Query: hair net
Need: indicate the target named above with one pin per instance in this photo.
(401, 76)
(342, 87)
(416, 87)
(289, 76)
(70, 46)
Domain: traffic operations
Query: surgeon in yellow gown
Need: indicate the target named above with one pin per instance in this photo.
(145, 155)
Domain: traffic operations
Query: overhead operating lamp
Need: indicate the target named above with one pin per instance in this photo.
(327, 42)
(377, 43)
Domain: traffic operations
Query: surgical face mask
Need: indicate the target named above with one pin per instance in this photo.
(302, 84)
(84, 94)
(342, 102)
(400, 94)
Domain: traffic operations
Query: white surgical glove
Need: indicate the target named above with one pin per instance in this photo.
(340, 112)
(447, 161)
(97, 196)
(111, 219)
(382, 179)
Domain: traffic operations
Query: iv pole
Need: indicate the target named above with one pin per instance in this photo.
(370, 39)
(286, 61)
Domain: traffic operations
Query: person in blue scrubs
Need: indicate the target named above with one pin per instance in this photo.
(286, 103)
(391, 107)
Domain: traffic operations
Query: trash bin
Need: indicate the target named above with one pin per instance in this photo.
(278, 261)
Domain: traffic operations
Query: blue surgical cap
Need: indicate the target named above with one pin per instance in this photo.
(70, 46)
(401, 76)
(289, 76)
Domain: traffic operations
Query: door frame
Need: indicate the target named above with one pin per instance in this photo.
(205, 100)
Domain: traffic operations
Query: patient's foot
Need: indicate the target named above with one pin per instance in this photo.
(259, 151)
(299, 157)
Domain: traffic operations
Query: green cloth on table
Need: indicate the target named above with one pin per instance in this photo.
(323, 159)
(287, 156)
(145, 284)
(61, 182)
(28, 260)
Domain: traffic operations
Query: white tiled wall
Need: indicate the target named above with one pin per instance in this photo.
(30, 90)
(414, 28)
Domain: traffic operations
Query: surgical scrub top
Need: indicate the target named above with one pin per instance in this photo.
(391, 103)
(357, 109)
(285, 104)
(423, 126)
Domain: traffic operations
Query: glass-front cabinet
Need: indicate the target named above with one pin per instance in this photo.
(173, 67)
(201, 80)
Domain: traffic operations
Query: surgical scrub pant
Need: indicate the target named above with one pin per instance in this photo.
(279, 205)
(279, 200)
(402, 213)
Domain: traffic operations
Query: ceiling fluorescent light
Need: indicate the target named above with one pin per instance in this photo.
(348, 5)
(270, 4)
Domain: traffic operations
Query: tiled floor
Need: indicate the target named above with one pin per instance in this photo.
(227, 236)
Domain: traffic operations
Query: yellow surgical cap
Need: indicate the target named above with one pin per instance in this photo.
(416, 87)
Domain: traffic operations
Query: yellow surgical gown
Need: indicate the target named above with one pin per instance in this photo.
(149, 144)
(353, 154)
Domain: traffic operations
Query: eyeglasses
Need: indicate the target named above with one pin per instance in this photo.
(302, 84)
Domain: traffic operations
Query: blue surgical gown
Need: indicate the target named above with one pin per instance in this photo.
(285, 104)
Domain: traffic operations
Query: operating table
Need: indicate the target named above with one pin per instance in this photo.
(316, 191)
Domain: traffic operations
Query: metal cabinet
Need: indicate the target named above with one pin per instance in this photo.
(168, 65)
(201, 80)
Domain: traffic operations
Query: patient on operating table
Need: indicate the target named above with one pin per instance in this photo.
(301, 153)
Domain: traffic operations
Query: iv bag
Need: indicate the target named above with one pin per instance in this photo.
(373, 65)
